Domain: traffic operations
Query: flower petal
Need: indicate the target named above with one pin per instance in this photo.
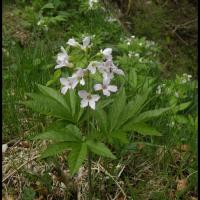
(64, 89)
(72, 42)
(64, 81)
(106, 92)
(92, 104)
(97, 87)
(83, 94)
(82, 81)
(112, 88)
(84, 103)
(95, 97)
(86, 41)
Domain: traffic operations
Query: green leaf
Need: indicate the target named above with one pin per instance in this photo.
(121, 136)
(141, 128)
(133, 107)
(182, 106)
(54, 149)
(56, 75)
(101, 118)
(77, 156)
(114, 115)
(103, 103)
(150, 114)
(47, 106)
(132, 78)
(70, 133)
(54, 94)
(73, 100)
(48, 6)
(181, 119)
(100, 149)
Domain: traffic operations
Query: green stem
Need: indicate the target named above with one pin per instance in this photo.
(90, 175)
(89, 153)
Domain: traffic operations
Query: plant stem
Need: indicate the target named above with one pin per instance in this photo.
(90, 175)
(89, 152)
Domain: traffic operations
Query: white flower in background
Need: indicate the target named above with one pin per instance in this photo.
(111, 19)
(86, 42)
(187, 77)
(158, 91)
(62, 59)
(92, 2)
(68, 83)
(88, 99)
(140, 44)
(133, 36)
(141, 60)
(128, 43)
(79, 76)
(72, 42)
(107, 53)
(105, 87)
(4, 148)
(137, 55)
(183, 81)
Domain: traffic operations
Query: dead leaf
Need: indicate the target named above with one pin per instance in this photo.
(4, 148)
(24, 144)
(185, 147)
(181, 184)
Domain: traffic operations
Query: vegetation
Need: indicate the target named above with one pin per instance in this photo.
(142, 139)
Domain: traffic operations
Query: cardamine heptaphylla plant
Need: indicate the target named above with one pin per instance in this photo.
(86, 117)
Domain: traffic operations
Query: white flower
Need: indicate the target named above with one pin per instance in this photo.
(107, 53)
(88, 99)
(62, 59)
(133, 36)
(158, 91)
(128, 43)
(109, 69)
(111, 19)
(86, 42)
(79, 76)
(68, 83)
(105, 87)
(4, 148)
(91, 3)
(72, 42)
(137, 55)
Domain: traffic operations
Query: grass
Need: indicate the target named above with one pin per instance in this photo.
(149, 169)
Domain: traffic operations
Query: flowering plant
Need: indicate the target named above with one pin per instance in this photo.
(87, 116)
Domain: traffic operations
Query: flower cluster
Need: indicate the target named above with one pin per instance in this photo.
(105, 67)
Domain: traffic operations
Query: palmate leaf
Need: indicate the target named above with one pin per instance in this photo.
(141, 128)
(99, 149)
(133, 107)
(69, 133)
(54, 149)
(55, 95)
(47, 106)
(116, 109)
(77, 156)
